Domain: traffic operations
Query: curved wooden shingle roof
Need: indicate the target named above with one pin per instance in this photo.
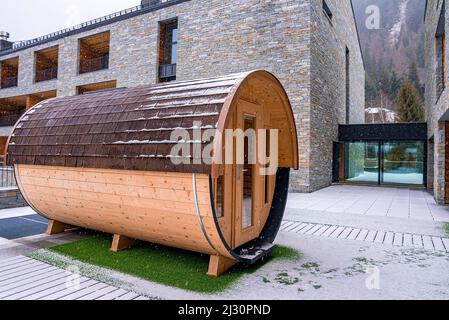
(121, 129)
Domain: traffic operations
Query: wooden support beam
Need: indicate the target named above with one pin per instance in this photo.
(55, 227)
(120, 243)
(219, 265)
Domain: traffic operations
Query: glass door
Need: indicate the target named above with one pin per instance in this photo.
(403, 163)
(386, 163)
(362, 162)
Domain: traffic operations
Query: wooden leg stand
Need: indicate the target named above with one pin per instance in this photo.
(219, 265)
(120, 243)
(55, 227)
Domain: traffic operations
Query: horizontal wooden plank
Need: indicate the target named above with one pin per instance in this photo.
(44, 292)
(98, 293)
(33, 280)
(11, 273)
(100, 191)
(12, 261)
(28, 275)
(128, 296)
(84, 292)
(15, 264)
(62, 293)
(112, 295)
(119, 177)
(34, 287)
(35, 194)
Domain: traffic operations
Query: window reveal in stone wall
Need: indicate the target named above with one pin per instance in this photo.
(440, 48)
(327, 11)
(9, 73)
(168, 50)
(94, 53)
(348, 85)
(46, 64)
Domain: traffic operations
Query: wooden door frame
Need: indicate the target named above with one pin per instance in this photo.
(240, 235)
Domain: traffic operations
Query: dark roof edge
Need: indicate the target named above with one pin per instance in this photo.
(383, 132)
(358, 34)
(92, 24)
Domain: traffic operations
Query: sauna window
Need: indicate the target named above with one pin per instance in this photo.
(265, 176)
(168, 50)
(219, 197)
(248, 171)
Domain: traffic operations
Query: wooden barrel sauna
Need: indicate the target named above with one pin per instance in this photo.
(102, 161)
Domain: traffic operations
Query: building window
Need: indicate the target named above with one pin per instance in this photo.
(440, 47)
(327, 11)
(348, 86)
(94, 53)
(9, 73)
(96, 87)
(168, 50)
(46, 62)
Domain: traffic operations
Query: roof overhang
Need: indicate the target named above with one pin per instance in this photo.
(384, 132)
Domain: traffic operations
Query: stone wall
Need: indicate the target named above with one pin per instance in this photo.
(329, 41)
(219, 37)
(436, 102)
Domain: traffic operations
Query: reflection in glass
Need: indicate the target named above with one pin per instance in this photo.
(362, 162)
(391, 162)
(403, 162)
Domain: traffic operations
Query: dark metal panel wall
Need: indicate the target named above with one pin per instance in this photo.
(384, 132)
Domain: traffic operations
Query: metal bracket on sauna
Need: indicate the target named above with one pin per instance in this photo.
(104, 162)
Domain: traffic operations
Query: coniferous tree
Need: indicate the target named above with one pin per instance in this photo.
(408, 103)
(414, 78)
(413, 74)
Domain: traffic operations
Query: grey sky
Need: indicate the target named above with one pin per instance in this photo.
(27, 19)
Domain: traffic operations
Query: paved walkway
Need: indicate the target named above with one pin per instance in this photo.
(406, 203)
(399, 239)
(22, 278)
(342, 232)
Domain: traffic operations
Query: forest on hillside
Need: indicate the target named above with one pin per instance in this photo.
(394, 52)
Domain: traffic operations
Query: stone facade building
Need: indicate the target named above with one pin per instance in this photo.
(312, 46)
(436, 98)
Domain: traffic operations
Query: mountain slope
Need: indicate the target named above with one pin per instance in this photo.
(393, 52)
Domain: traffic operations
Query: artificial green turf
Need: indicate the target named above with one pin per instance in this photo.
(172, 267)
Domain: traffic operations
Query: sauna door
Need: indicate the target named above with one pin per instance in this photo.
(248, 180)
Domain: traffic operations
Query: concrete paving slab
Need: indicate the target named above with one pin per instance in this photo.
(404, 203)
